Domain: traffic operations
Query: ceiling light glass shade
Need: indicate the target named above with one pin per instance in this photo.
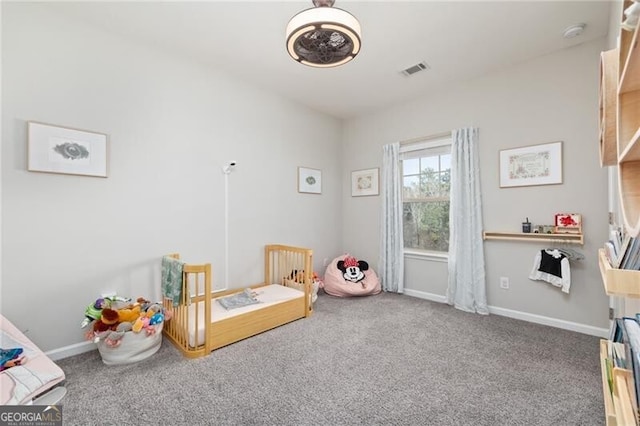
(323, 37)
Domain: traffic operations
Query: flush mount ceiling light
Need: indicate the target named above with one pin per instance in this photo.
(323, 36)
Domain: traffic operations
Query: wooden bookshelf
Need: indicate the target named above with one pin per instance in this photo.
(533, 237)
(621, 282)
(618, 282)
(608, 107)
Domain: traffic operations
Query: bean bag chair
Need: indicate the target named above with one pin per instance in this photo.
(346, 276)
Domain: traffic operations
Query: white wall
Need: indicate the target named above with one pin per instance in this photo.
(552, 98)
(172, 124)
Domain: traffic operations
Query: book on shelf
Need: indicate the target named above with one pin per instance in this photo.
(615, 334)
(623, 251)
(628, 257)
(610, 252)
(616, 239)
(631, 340)
(632, 256)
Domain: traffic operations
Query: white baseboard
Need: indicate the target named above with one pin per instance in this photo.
(71, 350)
(423, 295)
(525, 316)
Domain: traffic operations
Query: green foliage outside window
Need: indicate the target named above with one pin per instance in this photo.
(426, 185)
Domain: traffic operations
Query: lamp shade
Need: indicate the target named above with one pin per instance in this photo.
(323, 37)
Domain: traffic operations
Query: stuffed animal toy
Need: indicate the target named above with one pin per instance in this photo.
(109, 316)
(139, 324)
(129, 314)
(94, 311)
(114, 338)
(352, 269)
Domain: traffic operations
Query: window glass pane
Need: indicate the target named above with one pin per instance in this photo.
(445, 183)
(426, 188)
(426, 225)
(445, 161)
(411, 166)
(429, 163)
(411, 187)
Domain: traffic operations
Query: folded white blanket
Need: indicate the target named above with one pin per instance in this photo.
(26, 381)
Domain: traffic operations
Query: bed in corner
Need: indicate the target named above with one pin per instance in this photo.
(200, 324)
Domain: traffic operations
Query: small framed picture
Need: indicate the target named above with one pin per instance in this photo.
(309, 180)
(365, 182)
(55, 149)
(568, 223)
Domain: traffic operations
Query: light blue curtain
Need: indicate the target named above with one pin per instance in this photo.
(391, 267)
(467, 284)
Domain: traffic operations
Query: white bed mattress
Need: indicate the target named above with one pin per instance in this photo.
(42, 372)
(268, 296)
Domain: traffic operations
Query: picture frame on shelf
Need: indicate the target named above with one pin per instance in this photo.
(64, 150)
(365, 182)
(568, 223)
(531, 165)
(309, 180)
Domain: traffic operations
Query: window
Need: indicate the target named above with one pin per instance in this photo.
(426, 174)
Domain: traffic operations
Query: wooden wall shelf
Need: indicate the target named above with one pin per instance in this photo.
(532, 237)
(618, 404)
(618, 282)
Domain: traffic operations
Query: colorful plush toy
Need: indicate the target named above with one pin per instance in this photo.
(109, 316)
(129, 314)
(110, 325)
(94, 310)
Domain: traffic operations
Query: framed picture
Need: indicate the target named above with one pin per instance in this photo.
(365, 182)
(55, 149)
(309, 180)
(568, 223)
(531, 165)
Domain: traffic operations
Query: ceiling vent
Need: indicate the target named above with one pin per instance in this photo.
(422, 66)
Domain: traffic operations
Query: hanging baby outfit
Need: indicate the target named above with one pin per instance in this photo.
(552, 266)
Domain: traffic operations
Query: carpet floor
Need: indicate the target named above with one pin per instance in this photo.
(380, 360)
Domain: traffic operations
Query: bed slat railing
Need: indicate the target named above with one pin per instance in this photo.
(292, 267)
(196, 283)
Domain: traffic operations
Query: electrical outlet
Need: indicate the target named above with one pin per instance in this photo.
(504, 283)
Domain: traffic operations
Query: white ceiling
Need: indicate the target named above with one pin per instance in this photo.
(459, 40)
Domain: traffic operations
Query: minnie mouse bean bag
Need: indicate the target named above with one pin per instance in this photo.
(346, 276)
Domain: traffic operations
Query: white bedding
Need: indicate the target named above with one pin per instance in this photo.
(268, 295)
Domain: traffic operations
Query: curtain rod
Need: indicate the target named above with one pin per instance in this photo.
(425, 138)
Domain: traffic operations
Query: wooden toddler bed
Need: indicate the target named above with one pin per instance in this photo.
(199, 324)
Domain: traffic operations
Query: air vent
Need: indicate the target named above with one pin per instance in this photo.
(422, 66)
